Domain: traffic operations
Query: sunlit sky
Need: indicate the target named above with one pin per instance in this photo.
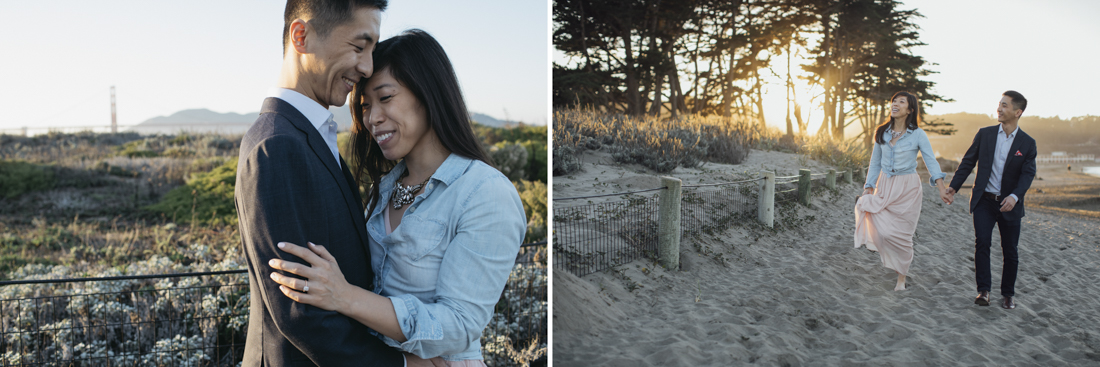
(1047, 52)
(62, 57)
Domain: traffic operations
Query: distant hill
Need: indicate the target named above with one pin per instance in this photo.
(1074, 135)
(204, 120)
(487, 120)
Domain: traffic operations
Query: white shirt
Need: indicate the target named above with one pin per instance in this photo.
(1000, 155)
(318, 116)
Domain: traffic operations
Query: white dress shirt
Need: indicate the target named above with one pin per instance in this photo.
(1000, 155)
(318, 116)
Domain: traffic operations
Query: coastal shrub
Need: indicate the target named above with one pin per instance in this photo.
(841, 154)
(533, 194)
(566, 152)
(137, 149)
(660, 145)
(178, 152)
(206, 198)
(536, 159)
(511, 159)
(18, 177)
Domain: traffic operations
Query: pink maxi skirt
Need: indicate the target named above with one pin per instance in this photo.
(887, 219)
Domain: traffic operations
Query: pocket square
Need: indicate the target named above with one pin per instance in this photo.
(1018, 154)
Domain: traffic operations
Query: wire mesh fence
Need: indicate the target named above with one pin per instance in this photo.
(523, 304)
(191, 319)
(168, 320)
(710, 209)
(592, 237)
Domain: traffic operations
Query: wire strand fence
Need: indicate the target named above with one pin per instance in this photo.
(596, 236)
(188, 319)
(592, 237)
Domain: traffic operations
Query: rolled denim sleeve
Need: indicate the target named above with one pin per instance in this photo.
(472, 274)
(929, 158)
(875, 167)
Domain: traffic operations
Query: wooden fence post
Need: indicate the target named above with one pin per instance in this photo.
(765, 210)
(830, 179)
(848, 175)
(668, 224)
(804, 185)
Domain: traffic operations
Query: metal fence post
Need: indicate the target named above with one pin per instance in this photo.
(765, 211)
(804, 185)
(830, 179)
(668, 224)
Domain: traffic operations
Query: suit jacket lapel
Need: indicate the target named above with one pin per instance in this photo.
(320, 149)
(362, 224)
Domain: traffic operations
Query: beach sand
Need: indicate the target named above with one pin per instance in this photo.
(806, 297)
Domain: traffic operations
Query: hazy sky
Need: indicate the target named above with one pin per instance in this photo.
(62, 57)
(1047, 52)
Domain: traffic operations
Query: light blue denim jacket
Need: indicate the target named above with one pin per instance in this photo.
(444, 267)
(901, 158)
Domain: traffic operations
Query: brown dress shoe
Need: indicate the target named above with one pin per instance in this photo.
(982, 299)
(1008, 303)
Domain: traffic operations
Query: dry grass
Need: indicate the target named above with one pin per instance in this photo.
(660, 145)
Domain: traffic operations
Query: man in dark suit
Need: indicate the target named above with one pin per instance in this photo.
(292, 186)
(1005, 156)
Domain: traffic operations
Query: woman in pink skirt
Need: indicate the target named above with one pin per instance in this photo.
(887, 213)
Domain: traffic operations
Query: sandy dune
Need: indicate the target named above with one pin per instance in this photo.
(807, 297)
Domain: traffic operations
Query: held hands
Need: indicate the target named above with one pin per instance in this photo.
(947, 195)
(1007, 204)
(324, 281)
(868, 191)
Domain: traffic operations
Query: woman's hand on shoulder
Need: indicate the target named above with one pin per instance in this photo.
(324, 283)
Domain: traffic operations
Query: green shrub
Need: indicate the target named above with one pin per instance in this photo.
(182, 139)
(511, 159)
(533, 194)
(178, 152)
(136, 149)
(536, 159)
(18, 177)
(115, 170)
(206, 197)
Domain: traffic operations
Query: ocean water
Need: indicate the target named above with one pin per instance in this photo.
(1095, 171)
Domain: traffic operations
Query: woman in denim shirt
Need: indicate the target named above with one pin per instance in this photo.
(444, 226)
(887, 212)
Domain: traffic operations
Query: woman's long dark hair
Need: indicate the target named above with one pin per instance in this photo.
(911, 122)
(418, 62)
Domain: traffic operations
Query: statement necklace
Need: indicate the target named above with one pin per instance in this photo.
(894, 134)
(404, 195)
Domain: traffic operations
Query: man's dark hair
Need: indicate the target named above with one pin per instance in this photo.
(1018, 99)
(323, 15)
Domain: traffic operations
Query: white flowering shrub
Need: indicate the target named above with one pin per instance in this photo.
(516, 334)
(124, 322)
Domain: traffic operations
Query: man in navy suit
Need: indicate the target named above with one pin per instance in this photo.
(293, 186)
(1005, 156)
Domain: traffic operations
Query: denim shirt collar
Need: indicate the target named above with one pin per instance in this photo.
(451, 169)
